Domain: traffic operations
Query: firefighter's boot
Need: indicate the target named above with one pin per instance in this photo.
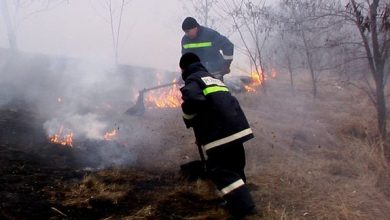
(240, 203)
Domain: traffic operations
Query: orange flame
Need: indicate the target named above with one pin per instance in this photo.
(62, 139)
(165, 97)
(256, 81)
(110, 135)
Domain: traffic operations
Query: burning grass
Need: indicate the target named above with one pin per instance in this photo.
(311, 159)
(164, 98)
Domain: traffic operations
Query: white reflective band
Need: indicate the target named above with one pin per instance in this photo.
(188, 117)
(227, 57)
(212, 81)
(227, 139)
(232, 186)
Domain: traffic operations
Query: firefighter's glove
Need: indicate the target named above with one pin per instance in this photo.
(193, 170)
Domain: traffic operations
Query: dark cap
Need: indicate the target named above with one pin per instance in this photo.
(187, 59)
(189, 23)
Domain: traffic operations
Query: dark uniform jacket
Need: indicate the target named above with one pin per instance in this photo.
(210, 109)
(207, 46)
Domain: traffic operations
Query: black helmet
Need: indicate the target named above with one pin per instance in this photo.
(187, 59)
(189, 23)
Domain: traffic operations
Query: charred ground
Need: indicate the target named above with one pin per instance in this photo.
(41, 180)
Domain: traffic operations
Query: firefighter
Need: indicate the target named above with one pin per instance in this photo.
(220, 128)
(208, 45)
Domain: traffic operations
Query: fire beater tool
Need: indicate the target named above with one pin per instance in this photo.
(139, 108)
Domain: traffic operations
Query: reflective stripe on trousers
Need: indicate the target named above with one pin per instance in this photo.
(232, 186)
(227, 139)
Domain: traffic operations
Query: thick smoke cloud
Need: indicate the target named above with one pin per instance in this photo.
(86, 98)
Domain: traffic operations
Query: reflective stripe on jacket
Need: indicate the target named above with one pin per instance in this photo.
(208, 45)
(211, 110)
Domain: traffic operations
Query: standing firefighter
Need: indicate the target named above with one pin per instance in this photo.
(220, 128)
(208, 45)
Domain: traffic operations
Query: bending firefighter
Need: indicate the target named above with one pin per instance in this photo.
(207, 44)
(221, 128)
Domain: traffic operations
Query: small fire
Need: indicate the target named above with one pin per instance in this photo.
(165, 98)
(62, 138)
(110, 135)
(256, 81)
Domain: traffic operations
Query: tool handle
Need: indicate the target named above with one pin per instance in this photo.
(216, 74)
(160, 86)
(201, 153)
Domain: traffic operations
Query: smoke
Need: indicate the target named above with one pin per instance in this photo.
(83, 97)
(88, 97)
(88, 125)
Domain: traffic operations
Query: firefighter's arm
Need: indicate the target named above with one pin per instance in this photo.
(227, 47)
(193, 100)
(183, 51)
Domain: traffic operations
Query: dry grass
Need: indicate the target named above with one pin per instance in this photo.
(311, 159)
(316, 159)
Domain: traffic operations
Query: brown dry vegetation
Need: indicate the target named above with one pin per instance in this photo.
(311, 159)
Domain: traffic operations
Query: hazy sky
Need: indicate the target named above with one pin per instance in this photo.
(150, 36)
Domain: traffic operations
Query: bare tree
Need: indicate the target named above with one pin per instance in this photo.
(371, 18)
(305, 20)
(4, 10)
(113, 15)
(16, 11)
(371, 21)
(286, 55)
(253, 24)
(202, 10)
